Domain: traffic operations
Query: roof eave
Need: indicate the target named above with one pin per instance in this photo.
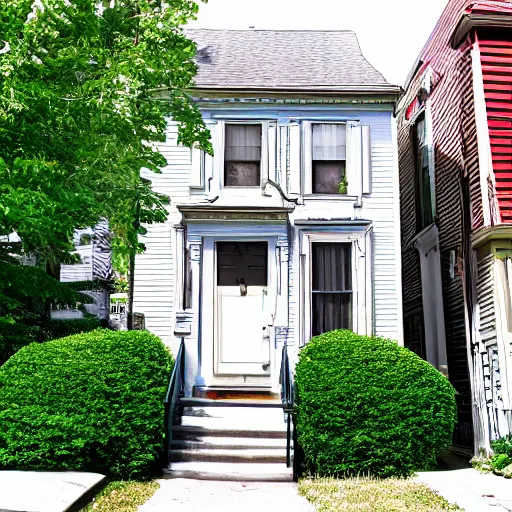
(390, 91)
(470, 21)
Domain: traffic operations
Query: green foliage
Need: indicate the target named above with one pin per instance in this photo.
(60, 328)
(89, 402)
(368, 406)
(25, 291)
(15, 335)
(85, 286)
(501, 462)
(503, 445)
(85, 88)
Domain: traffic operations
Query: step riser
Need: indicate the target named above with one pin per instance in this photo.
(205, 402)
(225, 477)
(233, 414)
(203, 456)
(233, 445)
(195, 434)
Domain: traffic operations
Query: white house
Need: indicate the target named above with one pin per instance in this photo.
(293, 227)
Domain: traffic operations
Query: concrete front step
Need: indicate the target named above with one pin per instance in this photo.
(246, 415)
(228, 443)
(251, 422)
(228, 455)
(193, 433)
(253, 472)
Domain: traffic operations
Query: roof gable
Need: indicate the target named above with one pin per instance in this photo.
(283, 60)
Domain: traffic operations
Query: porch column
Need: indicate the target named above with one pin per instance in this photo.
(193, 344)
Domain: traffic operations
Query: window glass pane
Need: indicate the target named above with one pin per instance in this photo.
(330, 312)
(332, 267)
(243, 143)
(327, 177)
(237, 261)
(329, 142)
(242, 174)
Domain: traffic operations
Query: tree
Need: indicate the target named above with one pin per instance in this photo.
(79, 117)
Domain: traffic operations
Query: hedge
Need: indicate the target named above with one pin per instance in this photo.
(368, 406)
(88, 402)
(14, 336)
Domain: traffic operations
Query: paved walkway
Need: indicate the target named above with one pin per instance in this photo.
(43, 492)
(183, 495)
(471, 490)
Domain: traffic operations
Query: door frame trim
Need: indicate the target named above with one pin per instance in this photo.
(208, 310)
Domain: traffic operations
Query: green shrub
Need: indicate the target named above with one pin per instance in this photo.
(503, 445)
(14, 336)
(89, 402)
(368, 406)
(60, 328)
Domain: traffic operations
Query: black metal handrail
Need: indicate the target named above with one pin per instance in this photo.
(288, 400)
(174, 392)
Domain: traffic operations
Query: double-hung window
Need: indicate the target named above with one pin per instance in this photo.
(331, 287)
(329, 155)
(242, 155)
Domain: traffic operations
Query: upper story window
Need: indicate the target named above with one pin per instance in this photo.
(424, 174)
(242, 155)
(329, 159)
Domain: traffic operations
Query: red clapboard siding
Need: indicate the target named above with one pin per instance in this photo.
(497, 72)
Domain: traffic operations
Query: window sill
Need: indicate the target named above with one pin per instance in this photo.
(330, 197)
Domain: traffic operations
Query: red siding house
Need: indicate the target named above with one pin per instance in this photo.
(455, 160)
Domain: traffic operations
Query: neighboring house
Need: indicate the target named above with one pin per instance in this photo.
(292, 228)
(93, 247)
(455, 158)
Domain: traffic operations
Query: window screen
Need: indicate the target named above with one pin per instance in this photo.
(329, 157)
(331, 287)
(242, 155)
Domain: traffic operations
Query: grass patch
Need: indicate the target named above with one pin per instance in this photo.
(122, 496)
(367, 494)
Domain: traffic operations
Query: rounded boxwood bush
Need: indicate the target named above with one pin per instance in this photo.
(88, 402)
(368, 406)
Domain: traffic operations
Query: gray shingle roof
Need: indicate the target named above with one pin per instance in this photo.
(283, 60)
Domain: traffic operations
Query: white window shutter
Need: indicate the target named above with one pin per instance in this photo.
(216, 177)
(295, 159)
(272, 150)
(282, 145)
(366, 153)
(354, 161)
(307, 157)
(197, 169)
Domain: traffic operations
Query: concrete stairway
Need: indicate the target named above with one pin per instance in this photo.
(241, 440)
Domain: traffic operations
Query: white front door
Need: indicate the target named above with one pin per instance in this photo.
(241, 335)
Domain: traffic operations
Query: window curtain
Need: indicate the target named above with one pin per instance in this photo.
(243, 143)
(332, 287)
(329, 142)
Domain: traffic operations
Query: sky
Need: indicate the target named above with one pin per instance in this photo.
(391, 33)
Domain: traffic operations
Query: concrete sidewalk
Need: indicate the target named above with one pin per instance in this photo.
(471, 490)
(31, 491)
(185, 495)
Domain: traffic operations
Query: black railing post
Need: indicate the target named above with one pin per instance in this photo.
(174, 393)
